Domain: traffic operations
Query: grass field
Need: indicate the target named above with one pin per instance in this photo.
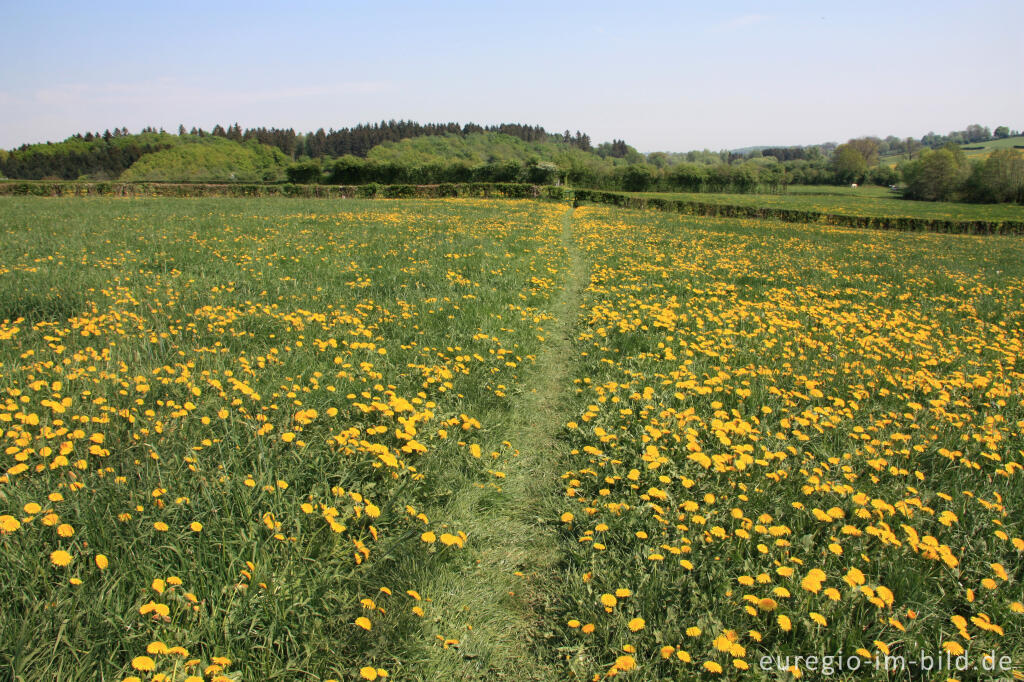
(792, 441)
(990, 146)
(970, 150)
(287, 439)
(862, 201)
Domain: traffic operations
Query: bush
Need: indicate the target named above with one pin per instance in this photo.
(304, 172)
(999, 178)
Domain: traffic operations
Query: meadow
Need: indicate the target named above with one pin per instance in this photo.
(297, 439)
(239, 435)
(860, 201)
(792, 441)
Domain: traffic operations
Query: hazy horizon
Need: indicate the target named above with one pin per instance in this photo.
(663, 77)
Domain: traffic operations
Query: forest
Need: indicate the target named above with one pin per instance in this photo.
(976, 164)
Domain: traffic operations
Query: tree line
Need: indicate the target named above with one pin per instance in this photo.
(343, 157)
(106, 155)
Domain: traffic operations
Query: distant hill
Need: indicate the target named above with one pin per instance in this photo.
(90, 157)
(748, 150)
(210, 159)
(981, 150)
(477, 149)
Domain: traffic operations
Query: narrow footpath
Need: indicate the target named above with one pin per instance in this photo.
(508, 588)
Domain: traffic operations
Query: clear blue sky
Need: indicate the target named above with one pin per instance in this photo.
(661, 75)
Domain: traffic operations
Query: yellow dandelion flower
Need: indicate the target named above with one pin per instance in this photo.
(784, 623)
(9, 524)
(637, 624)
(60, 558)
(448, 540)
(156, 647)
(364, 622)
(368, 673)
(609, 600)
(143, 664)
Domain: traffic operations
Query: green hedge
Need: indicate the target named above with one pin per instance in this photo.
(505, 190)
(801, 216)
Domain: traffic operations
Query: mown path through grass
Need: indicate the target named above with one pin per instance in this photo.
(505, 590)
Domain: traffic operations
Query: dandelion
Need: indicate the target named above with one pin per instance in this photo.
(101, 562)
(60, 558)
(953, 648)
(143, 664)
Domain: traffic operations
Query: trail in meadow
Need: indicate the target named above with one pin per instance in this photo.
(506, 591)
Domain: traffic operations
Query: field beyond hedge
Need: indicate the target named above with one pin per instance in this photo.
(861, 201)
(256, 439)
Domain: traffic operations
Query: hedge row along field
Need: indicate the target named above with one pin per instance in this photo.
(255, 439)
(504, 190)
(856, 216)
(850, 211)
(792, 441)
(231, 429)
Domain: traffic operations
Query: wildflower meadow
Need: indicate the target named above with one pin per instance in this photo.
(299, 439)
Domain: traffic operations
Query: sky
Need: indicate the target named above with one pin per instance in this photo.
(664, 76)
